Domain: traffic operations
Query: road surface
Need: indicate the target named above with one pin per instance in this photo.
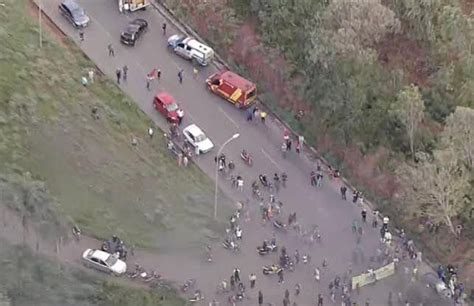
(220, 120)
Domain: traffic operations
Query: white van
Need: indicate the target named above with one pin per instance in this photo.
(191, 49)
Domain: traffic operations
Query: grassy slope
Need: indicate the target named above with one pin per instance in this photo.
(28, 279)
(97, 177)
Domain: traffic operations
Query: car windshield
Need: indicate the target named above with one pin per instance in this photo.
(200, 137)
(78, 13)
(111, 260)
(172, 107)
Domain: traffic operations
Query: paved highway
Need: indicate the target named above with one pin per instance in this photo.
(220, 120)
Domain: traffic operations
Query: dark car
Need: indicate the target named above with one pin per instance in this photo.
(133, 31)
(74, 13)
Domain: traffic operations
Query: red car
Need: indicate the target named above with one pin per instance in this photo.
(166, 105)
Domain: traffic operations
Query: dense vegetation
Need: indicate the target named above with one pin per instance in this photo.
(372, 74)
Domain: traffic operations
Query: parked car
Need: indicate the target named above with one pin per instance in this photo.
(196, 137)
(191, 49)
(74, 13)
(133, 31)
(167, 106)
(104, 261)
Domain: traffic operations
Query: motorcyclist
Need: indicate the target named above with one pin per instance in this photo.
(264, 245)
(231, 165)
(263, 179)
(238, 232)
(245, 155)
(284, 176)
(197, 295)
(276, 178)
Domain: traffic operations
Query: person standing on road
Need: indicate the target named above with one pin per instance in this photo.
(297, 289)
(125, 72)
(364, 215)
(180, 76)
(253, 279)
(375, 220)
(320, 300)
(232, 282)
(280, 277)
(343, 192)
(111, 50)
(260, 298)
(118, 73)
(237, 275)
(163, 27)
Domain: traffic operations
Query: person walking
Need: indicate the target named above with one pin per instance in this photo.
(263, 116)
(195, 72)
(150, 132)
(111, 50)
(90, 73)
(286, 302)
(343, 192)
(320, 300)
(158, 74)
(125, 72)
(253, 279)
(260, 298)
(180, 76)
(81, 35)
(287, 294)
(240, 184)
(297, 255)
(163, 27)
(118, 73)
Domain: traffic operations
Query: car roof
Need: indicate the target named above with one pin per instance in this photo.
(70, 4)
(138, 21)
(166, 98)
(194, 129)
(236, 80)
(100, 255)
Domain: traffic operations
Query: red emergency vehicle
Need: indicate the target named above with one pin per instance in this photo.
(233, 87)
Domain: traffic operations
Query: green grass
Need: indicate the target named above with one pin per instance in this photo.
(29, 279)
(96, 177)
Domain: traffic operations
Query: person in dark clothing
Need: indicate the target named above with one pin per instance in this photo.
(163, 27)
(237, 275)
(287, 294)
(118, 73)
(125, 72)
(320, 300)
(280, 277)
(232, 282)
(343, 192)
(260, 298)
(364, 215)
(313, 178)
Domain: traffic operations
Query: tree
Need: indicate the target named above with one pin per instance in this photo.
(409, 110)
(459, 134)
(437, 187)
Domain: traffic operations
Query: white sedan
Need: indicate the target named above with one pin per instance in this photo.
(104, 261)
(196, 137)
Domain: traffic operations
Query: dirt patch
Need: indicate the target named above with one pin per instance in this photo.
(48, 25)
(397, 51)
(467, 6)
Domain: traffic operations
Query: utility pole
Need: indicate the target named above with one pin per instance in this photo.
(40, 24)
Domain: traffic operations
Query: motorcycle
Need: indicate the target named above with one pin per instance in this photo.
(263, 180)
(197, 297)
(230, 245)
(279, 225)
(188, 284)
(272, 269)
(246, 158)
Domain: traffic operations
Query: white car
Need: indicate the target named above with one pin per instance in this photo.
(104, 261)
(196, 137)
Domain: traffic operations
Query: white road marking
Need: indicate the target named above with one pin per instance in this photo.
(229, 118)
(272, 160)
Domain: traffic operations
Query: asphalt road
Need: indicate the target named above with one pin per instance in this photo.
(220, 120)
